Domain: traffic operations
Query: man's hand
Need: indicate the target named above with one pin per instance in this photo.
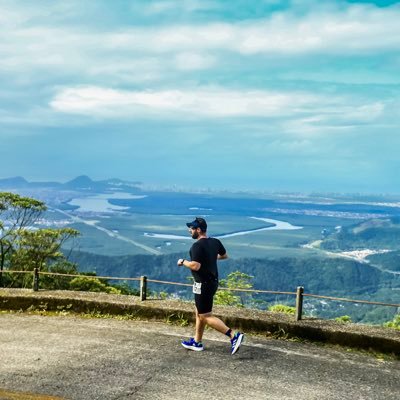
(180, 262)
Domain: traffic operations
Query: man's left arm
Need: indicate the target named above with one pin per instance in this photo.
(222, 254)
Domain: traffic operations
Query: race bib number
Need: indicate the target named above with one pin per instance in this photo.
(197, 287)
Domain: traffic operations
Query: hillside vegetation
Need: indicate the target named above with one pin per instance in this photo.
(335, 277)
(389, 261)
(375, 234)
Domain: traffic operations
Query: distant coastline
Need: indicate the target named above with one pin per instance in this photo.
(277, 225)
(100, 202)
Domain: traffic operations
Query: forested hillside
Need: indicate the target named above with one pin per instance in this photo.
(389, 261)
(373, 234)
(318, 275)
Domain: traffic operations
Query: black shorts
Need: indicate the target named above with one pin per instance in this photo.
(204, 301)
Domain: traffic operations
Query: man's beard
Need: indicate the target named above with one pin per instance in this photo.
(195, 235)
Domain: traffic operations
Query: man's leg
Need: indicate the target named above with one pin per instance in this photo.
(204, 303)
(208, 319)
(200, 325)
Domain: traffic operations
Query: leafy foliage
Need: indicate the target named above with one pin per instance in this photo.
(83, 283)
(16, 214)
(282, 308)
(234, 280)
(395, 323)
(23, 248)
(35, 249)
(55, 282)
(344, 319)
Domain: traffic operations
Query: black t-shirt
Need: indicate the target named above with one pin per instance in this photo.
(205, 251)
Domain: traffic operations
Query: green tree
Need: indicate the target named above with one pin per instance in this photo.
(38, 249)
(16, 214)
(54, 282)
(235, 280)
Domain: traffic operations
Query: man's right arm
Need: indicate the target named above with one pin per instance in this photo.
(193, 265)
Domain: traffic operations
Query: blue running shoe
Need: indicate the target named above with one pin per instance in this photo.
(191, 344)
(236, 342)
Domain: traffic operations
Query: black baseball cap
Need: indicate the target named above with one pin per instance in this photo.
(198, 223)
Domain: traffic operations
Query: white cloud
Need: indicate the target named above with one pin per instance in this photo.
(358, 29)
(366, 113)
(193, 61)
(209, 102)
(303, 112)
(335, 119)
(355, 30)
(178, 6)
(87, 61)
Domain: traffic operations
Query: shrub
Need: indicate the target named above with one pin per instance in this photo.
(82, 283)
(235, 280)
(395, 323)
(227, 298)
(343, 319)
(282, 308)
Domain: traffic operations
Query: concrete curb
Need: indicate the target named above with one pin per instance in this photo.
(373, 338)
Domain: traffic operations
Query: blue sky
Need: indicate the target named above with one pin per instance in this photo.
(263, 94)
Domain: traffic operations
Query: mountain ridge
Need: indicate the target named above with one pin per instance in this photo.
(81, 182)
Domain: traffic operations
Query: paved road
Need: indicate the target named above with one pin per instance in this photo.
(75, 358)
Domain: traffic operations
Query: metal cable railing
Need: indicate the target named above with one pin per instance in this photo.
(299, 293)
(114, 278)
(376, 303)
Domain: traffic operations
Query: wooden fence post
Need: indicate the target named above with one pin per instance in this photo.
(299, 302)
(35, 279)
(143, 287)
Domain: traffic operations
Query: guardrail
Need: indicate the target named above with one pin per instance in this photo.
(299, 293)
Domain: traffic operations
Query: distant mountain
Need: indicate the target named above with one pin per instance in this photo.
(82, 182)
(16, 182)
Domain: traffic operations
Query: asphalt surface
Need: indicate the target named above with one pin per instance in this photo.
(74, 358)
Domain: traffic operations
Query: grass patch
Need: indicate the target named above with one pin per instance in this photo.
(282, 308)
(177, 319)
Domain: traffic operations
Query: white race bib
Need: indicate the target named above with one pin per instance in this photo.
(197, 287)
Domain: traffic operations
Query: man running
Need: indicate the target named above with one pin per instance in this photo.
(204, 254)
